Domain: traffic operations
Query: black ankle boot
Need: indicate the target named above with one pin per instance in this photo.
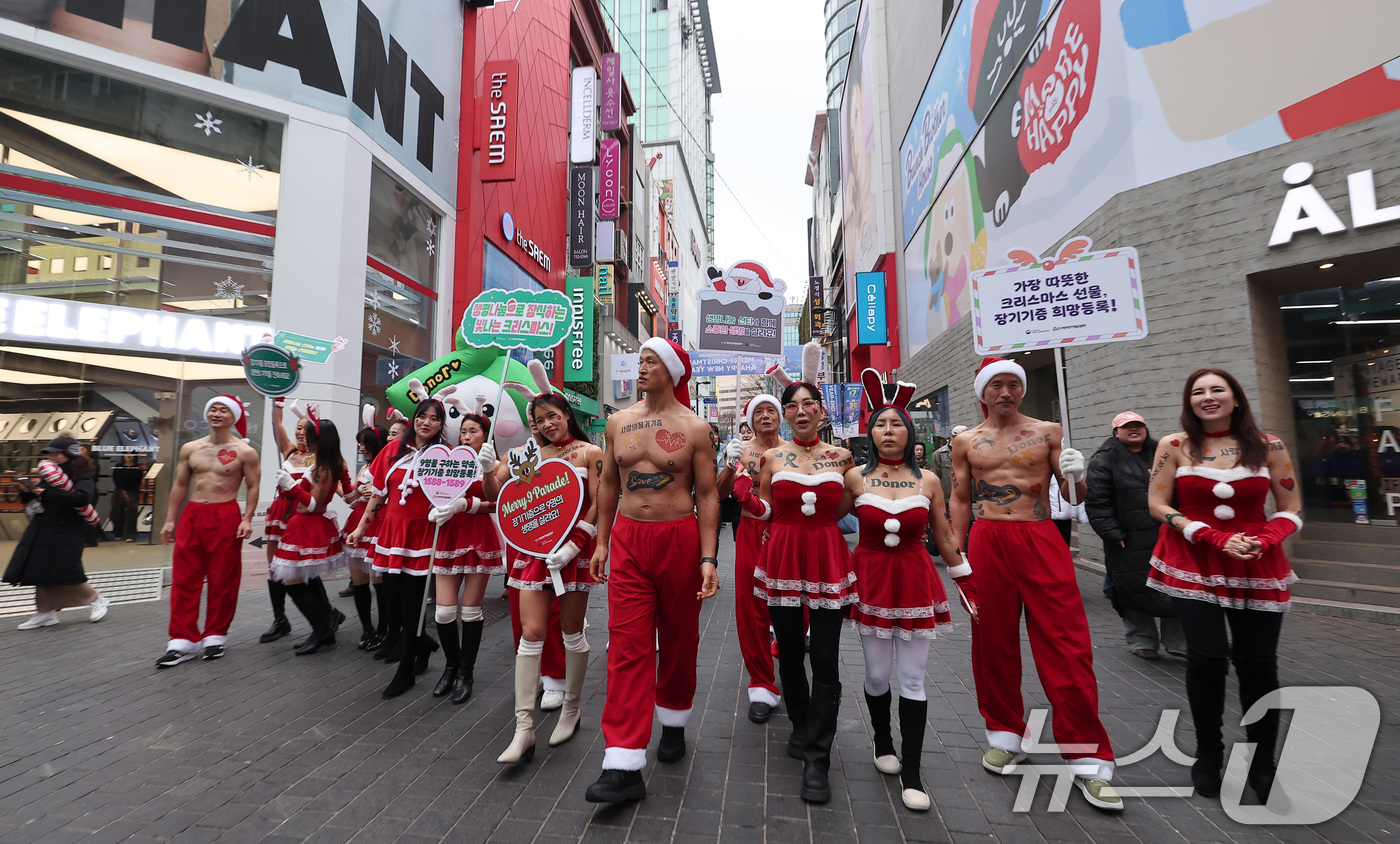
(303, 595)
(466, 666)
(1205, 692)
(447, 632)
(277, 593)
(671, 748)
(879, 706)
(617, 787)
(403, 675)
(821, 734)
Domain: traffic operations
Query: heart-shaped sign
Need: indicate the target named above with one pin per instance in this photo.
(540, 503)
(444, 474)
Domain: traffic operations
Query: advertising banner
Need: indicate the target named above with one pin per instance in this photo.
(309, 349)
(104, 327)
(610, 179)
(1078, 298)
(816, 288)
(578, 345)
(831, 398)
(872, 327)
(673, 307)
(623, 367)
(499, 120)
(509, 319)
(603, 278)
(444, 474)
(850, 410)
(581, 228)
(583, 115)
(674, 335)
(610, 101)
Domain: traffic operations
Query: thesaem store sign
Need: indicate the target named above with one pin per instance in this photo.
(393, 67)
(35, 319)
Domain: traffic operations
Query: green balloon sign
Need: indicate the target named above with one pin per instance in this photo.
(508, 319)
(271, 370)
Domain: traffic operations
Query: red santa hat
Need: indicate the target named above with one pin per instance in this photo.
(235, 406)
(992, 367)
(677, 362)
(761, 398)
(752, 271)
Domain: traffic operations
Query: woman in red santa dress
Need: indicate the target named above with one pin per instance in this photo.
(902, 601)
(1221, 559)
(311, 545)
(555, 422)
(805, 565)
(403, 544)
(468, 553)
(369, 442)
(296, 461)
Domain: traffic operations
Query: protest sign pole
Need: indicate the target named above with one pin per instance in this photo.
(1064, 413)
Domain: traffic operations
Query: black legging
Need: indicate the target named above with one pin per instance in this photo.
(825, 653)
(1254, 633)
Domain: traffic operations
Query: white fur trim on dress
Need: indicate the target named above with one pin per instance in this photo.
(1190, 530)
(758, 694)
(1292, 517)
(1223, 490)
(624, 759)
(669, 358)
(1238, 473)
(672, 717)
(990, 371)
(810, 480)
(893, 506)
(809, 503)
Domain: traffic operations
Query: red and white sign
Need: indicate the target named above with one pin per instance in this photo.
(540, 503)
(444, 474)
(498, 120)
(609, 179)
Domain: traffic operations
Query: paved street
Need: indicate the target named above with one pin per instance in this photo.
(96, 746)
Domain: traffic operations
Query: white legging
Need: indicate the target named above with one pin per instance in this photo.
(909, 659)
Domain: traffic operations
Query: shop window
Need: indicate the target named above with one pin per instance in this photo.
(1343, 347)
(56, 266)
(80, 264)
(403, 229)
(106, 262)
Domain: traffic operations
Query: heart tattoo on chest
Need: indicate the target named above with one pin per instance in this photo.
(227, 456)
(671, 442)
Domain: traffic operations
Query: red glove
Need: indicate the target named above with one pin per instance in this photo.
(1283, 525)
(748, 502)
(1198, 532)
(581, 533)
(301, 495)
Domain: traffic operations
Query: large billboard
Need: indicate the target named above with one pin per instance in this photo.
(384, 64)
(862, 154)
(1038, 112)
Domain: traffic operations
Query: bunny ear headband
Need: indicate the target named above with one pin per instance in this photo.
(878, 394)
(811, 361)
(313, 413)
(541, 387)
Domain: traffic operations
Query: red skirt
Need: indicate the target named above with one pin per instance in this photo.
(469, 544)
(310, 547)
(530, 572)
(1199, 572)
(278, 512)
(900, 594)
(403, 545)
(360, 557)
(806, 565)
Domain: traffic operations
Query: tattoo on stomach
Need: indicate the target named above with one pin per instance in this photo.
(997, 494)
(648, 480)
(1040, 511)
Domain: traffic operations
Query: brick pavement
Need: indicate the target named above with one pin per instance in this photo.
(96, 746)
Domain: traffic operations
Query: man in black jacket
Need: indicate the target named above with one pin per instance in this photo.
(1117, 509)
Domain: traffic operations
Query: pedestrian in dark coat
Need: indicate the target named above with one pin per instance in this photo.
(49, 555)
(1118, 513)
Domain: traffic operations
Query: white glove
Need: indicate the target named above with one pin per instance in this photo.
(487, 457)
(440, 515)
(1072, 464)
(559, 558)
(285, 481)
(733, 452)
(294, 407)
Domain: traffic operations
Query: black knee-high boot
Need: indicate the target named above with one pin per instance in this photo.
(821, 734)
(1205, 692)
(280, 625)
(304, 596)
(879, 706)
(1258, 677)
(363, 608)
(334, 617)
(381, 629)
(411, 589)
(452, 650)
(466, 666)
(389, 650)
(913, 715)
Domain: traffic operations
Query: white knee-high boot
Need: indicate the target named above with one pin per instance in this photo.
(575, 667)
(527, 677)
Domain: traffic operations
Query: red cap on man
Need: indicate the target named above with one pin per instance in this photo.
(992, 367)
(677, 362)
(235, 406)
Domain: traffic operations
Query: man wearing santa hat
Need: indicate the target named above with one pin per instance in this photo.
(209, 537)
(658, 518)
(763, 414)
(1002, 471)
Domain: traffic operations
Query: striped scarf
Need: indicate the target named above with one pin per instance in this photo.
(51, 474)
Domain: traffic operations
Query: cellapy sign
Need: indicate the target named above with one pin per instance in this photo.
(1077, 298)
(873, 328)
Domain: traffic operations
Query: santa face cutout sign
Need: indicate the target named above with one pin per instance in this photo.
(742, 310)
(540, 503)
(445, 473)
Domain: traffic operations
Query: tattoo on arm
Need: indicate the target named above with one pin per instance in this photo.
(997, 494)
(648, 480)
(1171, 521)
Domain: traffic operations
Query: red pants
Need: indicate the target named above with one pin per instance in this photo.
(552, 660)
(1026, 564)
(654, 575)
(751, 614)
(206, 547)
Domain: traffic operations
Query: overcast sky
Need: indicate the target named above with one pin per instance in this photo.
(772, 71)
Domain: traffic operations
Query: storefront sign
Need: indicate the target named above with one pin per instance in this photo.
(872, 328)
(603, 275)
(271, 370)
(309, 349)
(1304, 209)
(519, 239)
(509, 319)
(103, 327)
(578, 346)
(673, 307)
(540, 503)
(694, 248)
(605, 241)
(1078, 298)
(610, 179)
(499, 121)
(674, 335)
(583, 115)
(610, 106)
(444, 474)
(581, 230)
(623, 367)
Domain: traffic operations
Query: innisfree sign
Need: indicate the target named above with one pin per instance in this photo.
(271, 370)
